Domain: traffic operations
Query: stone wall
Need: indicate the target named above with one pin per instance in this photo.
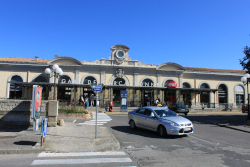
(18, 112)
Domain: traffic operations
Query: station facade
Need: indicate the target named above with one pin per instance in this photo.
(170, 82)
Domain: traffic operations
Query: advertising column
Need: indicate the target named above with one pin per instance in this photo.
(36, 105)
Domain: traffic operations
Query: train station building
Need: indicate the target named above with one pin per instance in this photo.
(169, 81)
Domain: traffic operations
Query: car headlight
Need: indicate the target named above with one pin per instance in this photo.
(172, 124)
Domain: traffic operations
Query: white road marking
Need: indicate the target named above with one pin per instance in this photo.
(75, 154)
(74, 121)
(102, 118)
(79, 161)
(203, 140)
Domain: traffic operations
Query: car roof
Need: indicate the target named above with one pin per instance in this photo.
(154, 107)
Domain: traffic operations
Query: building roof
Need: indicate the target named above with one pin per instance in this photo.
(37, 60)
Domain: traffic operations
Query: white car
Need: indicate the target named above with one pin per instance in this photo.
(161, 120)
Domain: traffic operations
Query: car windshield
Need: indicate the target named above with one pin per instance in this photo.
(165, 113)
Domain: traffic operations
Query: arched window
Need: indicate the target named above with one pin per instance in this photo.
(222, 92)
(15, 91)
(186, 85)
(90, 80)
(204, 86)
(119, 81)
(239, 92)
(147, 82)
(40, 78)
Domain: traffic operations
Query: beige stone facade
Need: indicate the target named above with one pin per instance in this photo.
(170, 82)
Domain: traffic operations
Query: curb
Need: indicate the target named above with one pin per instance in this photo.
(35, 151)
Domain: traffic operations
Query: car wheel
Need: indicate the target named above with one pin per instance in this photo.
(132, 124)
(243, 111)
(162, 131)
(186, 114)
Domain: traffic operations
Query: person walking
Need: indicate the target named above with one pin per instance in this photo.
(86, 104)
(202, 106)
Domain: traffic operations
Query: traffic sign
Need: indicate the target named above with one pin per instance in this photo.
(97, 88)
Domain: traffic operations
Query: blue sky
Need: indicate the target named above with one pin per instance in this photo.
(192, 33)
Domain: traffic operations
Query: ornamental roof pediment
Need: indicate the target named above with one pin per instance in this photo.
(64, 61)
(170, 67)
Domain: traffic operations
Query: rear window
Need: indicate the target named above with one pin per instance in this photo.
(181, 105)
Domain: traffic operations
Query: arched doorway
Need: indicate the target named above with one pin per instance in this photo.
(148, 93)
(117, 91)
(87, 91)
(222, 94)
(15, 91)
(64, 92)
(170, 94)
(205, 95)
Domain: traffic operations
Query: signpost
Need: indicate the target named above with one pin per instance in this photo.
(43, 129)
(96, 89)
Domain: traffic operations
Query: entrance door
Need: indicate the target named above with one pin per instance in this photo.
(170, 96)
(148, 97)
(117, 97)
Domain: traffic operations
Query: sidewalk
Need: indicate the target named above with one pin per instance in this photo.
(75, 138)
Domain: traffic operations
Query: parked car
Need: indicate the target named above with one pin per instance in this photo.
(161, 120)
(179, 108)
(244, 108)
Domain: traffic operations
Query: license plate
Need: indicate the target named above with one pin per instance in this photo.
(187, 129)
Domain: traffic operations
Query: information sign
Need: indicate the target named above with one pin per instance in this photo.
(97, 88)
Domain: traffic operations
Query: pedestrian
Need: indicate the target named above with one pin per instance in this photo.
(156, 101)
(148, 102)
(91, 100)
(86, 104)
(202, 106)
(81, 100)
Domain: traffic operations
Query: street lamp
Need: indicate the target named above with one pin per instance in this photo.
(56, 72)
(245, 79)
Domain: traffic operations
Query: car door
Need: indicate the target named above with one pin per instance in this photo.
(139, 117)
(150, 121)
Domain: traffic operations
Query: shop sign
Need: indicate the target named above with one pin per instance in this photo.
(171, 84)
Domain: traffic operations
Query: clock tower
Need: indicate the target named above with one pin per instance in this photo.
(119, 53)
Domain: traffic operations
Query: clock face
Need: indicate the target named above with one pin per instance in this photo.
(120, 54)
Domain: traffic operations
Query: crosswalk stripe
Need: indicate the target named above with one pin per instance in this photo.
(90, 123)
(73, 154)
(79, 161)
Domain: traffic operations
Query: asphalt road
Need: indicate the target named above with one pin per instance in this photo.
(210, 145)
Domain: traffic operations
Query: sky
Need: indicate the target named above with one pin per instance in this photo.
(191, 33)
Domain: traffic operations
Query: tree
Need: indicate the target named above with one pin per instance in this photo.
(245, 62)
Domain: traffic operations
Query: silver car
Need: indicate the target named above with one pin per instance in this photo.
(161, 120)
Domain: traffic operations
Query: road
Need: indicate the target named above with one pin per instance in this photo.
(210, 145)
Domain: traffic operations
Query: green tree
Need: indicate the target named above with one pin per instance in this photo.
(245, 62)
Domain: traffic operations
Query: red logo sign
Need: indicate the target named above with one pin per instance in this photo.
(172, 84)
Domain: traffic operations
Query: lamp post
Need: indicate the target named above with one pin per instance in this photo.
(56, 72)
(245, 79)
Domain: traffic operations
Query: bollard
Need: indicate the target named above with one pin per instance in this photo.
(61, 122)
